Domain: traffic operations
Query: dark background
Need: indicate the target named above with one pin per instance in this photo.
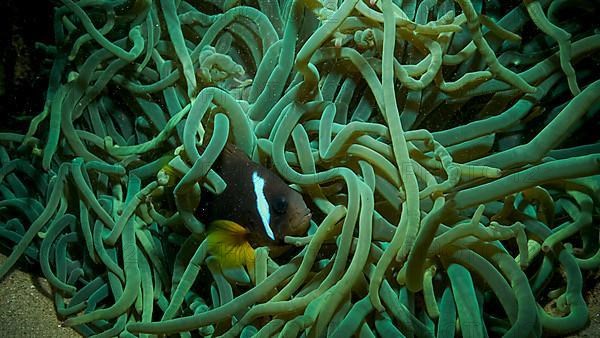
(23, 67)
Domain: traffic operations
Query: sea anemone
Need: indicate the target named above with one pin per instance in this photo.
(446, 150)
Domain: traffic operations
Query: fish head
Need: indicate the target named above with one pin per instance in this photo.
(280, 211)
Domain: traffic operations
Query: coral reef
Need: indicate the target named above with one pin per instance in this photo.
(445, 148)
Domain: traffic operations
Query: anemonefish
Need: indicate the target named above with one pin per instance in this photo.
(257, 208)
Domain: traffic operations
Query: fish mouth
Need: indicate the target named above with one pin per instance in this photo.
(301, 226)
(306, 218)
(298, 228)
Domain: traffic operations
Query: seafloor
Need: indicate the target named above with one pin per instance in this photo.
(26, 309)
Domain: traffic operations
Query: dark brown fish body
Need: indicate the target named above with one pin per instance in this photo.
(255, 198)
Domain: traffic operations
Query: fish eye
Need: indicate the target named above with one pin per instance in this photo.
(280, 204)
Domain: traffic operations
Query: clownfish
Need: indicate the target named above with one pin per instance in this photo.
(257, 208)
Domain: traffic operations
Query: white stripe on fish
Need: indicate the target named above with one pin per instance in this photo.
(261, 203)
